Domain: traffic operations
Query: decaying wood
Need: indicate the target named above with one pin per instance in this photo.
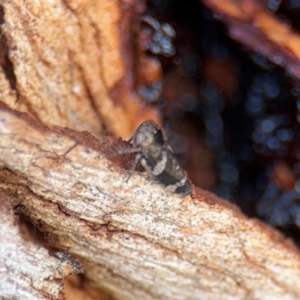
(250, 22)
(73, 63)
(136, 240)
(70, 63)
(27, 271)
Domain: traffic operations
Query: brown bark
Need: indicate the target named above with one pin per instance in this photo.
(135, 240)
(250, 23)
(71, 64)
(27, 271)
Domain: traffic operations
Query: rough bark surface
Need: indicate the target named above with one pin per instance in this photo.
(69, 63)
(28, 271)
(73, 64)
(136, 240)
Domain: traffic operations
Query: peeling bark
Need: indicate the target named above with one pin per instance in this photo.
(136, 240)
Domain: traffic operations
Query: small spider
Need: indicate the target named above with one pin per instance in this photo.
(156, 156)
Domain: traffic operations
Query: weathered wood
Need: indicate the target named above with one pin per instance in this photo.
(135, 239)
(73, 64)
(27, 270)
(70, 63)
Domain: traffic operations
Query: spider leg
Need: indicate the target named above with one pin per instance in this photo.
(145, 165)
(137, 159)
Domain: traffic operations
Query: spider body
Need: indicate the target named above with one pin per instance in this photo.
(157, 157)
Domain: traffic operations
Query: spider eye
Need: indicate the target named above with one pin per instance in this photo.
(159, 138)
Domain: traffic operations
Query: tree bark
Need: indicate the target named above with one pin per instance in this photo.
(135, 239)
(27, 270)
(251, 23)
(71, 64)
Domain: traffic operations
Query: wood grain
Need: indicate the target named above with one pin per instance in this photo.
(136, 240)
